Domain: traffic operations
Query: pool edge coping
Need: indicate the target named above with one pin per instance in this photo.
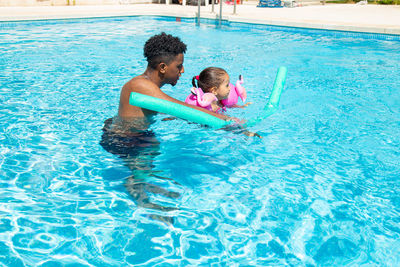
(391, 31)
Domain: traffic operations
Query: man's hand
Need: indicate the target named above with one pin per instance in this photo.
(169, 119)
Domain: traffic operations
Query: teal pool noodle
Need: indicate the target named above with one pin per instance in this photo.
(177, 110)
(277, 88)
(275, 96)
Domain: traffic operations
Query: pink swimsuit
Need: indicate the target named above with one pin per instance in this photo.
(204, 100)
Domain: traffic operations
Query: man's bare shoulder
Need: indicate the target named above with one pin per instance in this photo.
(140, 84)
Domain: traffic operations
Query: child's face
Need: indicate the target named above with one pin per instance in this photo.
(223, 89)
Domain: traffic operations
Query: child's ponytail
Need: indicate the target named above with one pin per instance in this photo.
(194, 81)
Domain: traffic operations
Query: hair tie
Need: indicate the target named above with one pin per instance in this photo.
(197, 77)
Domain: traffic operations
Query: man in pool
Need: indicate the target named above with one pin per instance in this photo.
(164, 54)
(127, 134)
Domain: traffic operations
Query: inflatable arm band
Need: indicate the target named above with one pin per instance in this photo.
(177, 110)
(274, 98)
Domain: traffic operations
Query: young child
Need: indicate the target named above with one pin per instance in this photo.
(214, 92)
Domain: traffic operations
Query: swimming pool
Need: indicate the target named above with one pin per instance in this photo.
(320, 188)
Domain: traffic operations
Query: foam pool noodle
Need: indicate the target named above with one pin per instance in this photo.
(273, 102)
(177, 110)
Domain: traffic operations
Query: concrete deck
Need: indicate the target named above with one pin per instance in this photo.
(348, 17)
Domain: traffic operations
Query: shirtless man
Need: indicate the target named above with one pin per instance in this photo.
(164, 54)
(127, 134)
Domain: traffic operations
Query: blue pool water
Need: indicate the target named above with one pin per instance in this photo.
(320, 188)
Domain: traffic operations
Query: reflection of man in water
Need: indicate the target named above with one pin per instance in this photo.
(126, 135)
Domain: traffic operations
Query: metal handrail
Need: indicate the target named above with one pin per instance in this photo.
(220, 13)
(212, 10)
(198, 12)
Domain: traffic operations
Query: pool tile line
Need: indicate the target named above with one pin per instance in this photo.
(329, 32)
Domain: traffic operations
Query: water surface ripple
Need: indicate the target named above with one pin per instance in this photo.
(321, 187)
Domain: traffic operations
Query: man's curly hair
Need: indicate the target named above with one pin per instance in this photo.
(162, 48)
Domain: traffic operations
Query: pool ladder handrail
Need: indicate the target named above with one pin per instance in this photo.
(212, 10)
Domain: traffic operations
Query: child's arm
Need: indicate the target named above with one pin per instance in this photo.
(241, 106)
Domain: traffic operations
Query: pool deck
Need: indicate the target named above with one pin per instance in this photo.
(345, 17)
